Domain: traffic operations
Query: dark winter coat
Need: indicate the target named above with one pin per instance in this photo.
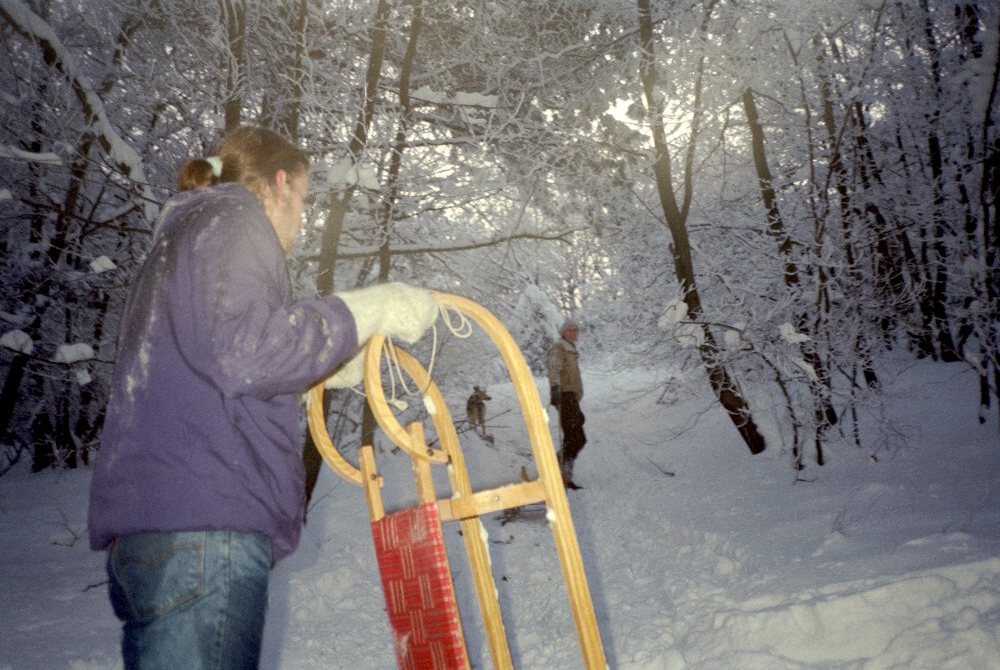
(564, 368)
(202, 429)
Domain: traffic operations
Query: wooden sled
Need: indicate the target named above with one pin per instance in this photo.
(409, 543)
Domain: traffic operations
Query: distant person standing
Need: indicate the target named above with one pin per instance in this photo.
(567, 392)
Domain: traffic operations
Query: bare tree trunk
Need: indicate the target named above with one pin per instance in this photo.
(890, 260)
(282, 102)
(988, 247)
(938, 309)
(339, 203)
(12, 382)
(392, 178)
(725, 387)
(233, 16)
(399, 142)
(823, 411)
(43, 454)
(850, 216)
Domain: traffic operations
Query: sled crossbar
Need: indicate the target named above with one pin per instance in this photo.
(491, 500)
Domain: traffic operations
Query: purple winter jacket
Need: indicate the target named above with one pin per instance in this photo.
(202, 429)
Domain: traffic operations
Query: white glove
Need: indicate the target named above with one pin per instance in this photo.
(398, 310)
(350, 373)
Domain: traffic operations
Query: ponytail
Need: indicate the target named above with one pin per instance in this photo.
(196, 173)
(250, 156)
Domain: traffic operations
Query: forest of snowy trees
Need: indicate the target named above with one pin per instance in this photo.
(766, 196)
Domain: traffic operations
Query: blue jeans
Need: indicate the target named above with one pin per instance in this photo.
(191, 600)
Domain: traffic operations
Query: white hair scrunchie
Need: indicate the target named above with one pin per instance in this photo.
(216, 164)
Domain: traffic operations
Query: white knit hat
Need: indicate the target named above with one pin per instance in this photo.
(568, 324)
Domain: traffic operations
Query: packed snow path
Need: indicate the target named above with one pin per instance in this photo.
(699, 556)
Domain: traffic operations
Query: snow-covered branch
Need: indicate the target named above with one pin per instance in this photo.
(124, 157)
(13, 153)
(414, 250)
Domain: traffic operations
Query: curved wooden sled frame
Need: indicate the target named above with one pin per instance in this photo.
(465, 505)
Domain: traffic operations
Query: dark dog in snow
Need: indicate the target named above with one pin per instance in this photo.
(475, 410)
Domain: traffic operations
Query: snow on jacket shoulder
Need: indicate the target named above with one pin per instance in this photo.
(202, 430)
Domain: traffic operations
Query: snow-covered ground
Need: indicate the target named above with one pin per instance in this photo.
(698, 555)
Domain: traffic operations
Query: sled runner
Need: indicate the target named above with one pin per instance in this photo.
(409, 544)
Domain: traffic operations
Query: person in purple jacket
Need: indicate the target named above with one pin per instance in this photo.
(198, 489)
